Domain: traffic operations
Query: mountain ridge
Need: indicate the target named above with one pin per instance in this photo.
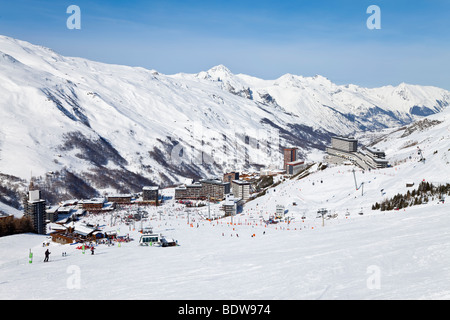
(220, 120)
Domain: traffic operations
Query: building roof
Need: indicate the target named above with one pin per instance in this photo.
(216, 182)
(194, 185)
(128, 195)
(374, 150)
(84, 230)
(184, 187)
(92, 201)
(349, 139)
(69, 202)
(37, 201)
(241, 182)
(52, 209)
(295, 163)
(154, 188)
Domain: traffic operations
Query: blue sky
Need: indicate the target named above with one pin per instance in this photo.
(262, 38)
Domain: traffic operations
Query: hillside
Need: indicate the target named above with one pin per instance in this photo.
(388, 255)
(84, 128)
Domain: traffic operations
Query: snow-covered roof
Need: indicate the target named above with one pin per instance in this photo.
(152, 188)
(128, 195)
(295, 163)
(83, 229)
(52, 209)
(92, 201)
(230, 200)
(241, 182)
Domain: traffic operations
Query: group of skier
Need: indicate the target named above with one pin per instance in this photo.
(64, 254)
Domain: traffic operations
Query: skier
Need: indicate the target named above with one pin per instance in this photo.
(92, 249)
(47, 254)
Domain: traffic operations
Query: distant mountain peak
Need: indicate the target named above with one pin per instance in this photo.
(216, 73)
(220, 68)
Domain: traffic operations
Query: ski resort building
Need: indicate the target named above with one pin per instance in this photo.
(189, 192)
(120, 198)
(34, 208)
(76, 233)
(52, 213)
(344, 144)
(231, 205)
(376, 158)
(230, 176)
(345, 150)
(150, 194)
(215, 190)
(292, 168)
(241, 189)
(290, 155)
(93, 205)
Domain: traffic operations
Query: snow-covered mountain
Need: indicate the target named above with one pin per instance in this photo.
(111, 127)
(320, 103)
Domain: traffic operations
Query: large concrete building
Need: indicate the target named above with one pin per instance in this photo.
(345, 150)
(92, 205)
(120, 198)
(290, 155)
(241, 189)
(215, 190)
(344, 144)
(230, 176)
(34, 208)
(150, 194)
(232, 205)
(376, 158)
(189, 192)
(292, 168)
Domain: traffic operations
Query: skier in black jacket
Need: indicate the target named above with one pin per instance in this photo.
(47, 254)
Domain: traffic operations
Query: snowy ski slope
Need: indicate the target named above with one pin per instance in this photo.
(395, 255)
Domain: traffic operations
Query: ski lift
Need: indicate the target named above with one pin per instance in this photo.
(321, 213)
(147, 230)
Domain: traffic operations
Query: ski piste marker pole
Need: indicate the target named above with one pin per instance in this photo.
(30, 257)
